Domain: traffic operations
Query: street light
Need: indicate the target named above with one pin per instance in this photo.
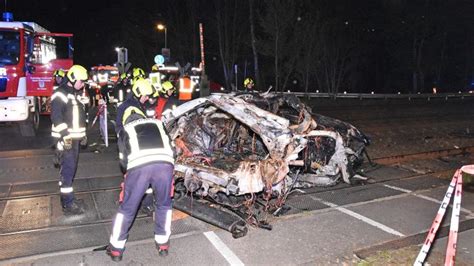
(163, 27)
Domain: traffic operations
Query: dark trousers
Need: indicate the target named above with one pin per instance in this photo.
(69, 160)
(160, 177)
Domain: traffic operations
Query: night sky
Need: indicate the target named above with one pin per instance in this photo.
(95, 24)
(334, 46)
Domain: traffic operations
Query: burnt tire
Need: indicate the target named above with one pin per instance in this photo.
(239, 229)
(29, 127)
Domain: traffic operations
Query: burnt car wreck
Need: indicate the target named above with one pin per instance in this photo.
(240, 155)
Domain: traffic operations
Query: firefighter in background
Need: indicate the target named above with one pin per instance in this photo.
(104, 91)
(139, 98)
(69, 129)
(137, 73)
(147, 154)
(122, 89)
(249, 84)
(58, 76)
(167, 100)
(185, 89)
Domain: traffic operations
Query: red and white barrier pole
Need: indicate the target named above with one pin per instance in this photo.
(456, 186)
(436, 223)
(454, 226)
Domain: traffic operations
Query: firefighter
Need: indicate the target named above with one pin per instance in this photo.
(248, 84)
(137, 73)
(122, 89)
(185, 88)
(139, 98)
(142, 101)
(167, 100)
(58, 77)
(69, 129)
(147, 153)
(155, 68)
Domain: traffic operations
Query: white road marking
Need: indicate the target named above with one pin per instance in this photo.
(223, 248)
(423, 197)
(361, 217)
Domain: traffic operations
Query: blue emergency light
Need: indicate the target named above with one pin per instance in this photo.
(7, 16)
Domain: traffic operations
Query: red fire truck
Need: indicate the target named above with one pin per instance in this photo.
(29, 54)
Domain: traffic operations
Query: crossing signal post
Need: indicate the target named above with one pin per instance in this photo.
(122, 59)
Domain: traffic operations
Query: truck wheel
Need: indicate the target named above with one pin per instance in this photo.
(30, 125)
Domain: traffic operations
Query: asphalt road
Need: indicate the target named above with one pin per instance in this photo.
(323, 226)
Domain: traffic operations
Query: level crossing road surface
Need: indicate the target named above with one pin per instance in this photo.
(322, 226)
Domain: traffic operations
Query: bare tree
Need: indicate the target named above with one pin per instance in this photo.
(230, 32)
(254, 44)
(282, 40)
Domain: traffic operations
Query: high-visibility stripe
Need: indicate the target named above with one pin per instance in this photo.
(129, 111)
(120, 96)
(148, 152)
(75, 115)
(76, 135)
(66, 190)
(162, 239)
(59, 127)
(185, 89)
(55, 135)
(60, 147)
(149, 191)
(59, 95)
(185, 85)
(150, 113)
(120, 155)
(116, 232)
(77, 130)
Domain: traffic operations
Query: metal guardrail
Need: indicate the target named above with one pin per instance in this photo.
(361, 96)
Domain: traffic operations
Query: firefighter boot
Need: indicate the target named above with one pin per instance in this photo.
(163, 248)
(76, 207)
(114, 253)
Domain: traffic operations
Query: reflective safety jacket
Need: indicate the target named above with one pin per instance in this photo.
(131, 101)
(68, 115)
(144, 141)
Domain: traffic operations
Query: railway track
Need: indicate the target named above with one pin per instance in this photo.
(338, 189)
(390, 160)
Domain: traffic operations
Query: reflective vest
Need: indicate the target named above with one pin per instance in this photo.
(144, 141)
(185, 89)
(67, 114)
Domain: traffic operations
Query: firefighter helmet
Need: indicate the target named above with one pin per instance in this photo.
(155, 68)
(248, 81)
(138, 72)
(167, 86)
(59, 73)
(142, 87)
(77, 72)
(123, 76)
